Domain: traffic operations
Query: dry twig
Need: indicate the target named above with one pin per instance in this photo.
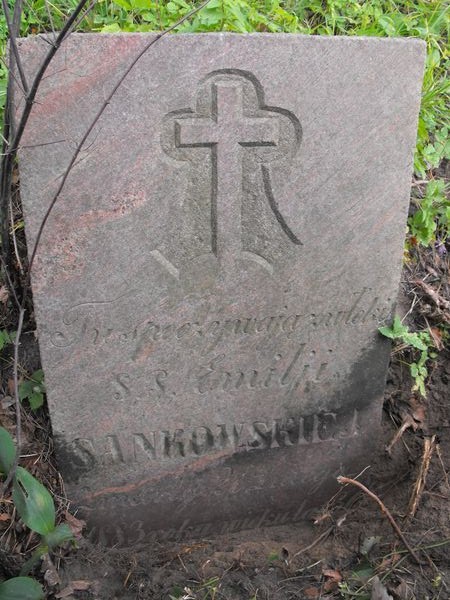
(441, 303)
(322, 536)
(346, 480)
(408, 422)
(419, 486)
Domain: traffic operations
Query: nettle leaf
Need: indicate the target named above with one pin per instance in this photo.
(413, 339)
(7, 451)
(36, 399)
(33, 502)
(395, 331)
(387, 332)
(21, 588)
(6, 338)
(33, 390)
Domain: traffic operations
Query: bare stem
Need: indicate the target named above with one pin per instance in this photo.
(346, 480)
(13, 141)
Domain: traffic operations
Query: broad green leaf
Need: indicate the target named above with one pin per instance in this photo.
(33, 502)
(36, 399)
(123, 4)
(62, 533)
(25, 389)
(33, 390)
(112, 28)
(6, 338)
(21, 588)
(7, 451)
(414, 369)
(387, 332)
(415, 341)
(139, 4)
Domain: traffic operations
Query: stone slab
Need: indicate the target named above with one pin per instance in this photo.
(209, 285)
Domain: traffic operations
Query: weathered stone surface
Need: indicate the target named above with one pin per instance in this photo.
(209, 286)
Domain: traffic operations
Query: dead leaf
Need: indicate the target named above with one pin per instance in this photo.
(379, 592)
(436, 334)
(311, 593)
(11, 386)
(51, 576)
(65, 593)
(7, 402)
(418, 412)
(389, 562)
(76, 525)
(332, 574)
(4, 294)
(81, 585)
(403, 591)
(330, 585)
(5, 517)
(334, 578)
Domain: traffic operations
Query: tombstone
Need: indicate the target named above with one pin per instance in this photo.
(209, 286)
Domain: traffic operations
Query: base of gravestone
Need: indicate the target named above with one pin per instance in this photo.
(221, 496)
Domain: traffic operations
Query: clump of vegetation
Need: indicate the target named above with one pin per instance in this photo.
(430, 222)
(420, 341)
(36, 508)
(33, 390)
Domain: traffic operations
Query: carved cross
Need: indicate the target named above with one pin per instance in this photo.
(227, 132)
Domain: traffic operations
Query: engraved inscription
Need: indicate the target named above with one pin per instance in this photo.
(198, 440)
(82, 325)
(232, 120)
(120, 533)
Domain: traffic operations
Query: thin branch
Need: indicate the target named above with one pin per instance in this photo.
(94, 123)
(16, 79)
(14, 237)
(12, 471)
(9, 158)
(11, 286)
(346, 480)
(82, 17)
(318, 539)
(43, 144)
(29, 100)
(8, 126)
(50, 17)
(13, 43)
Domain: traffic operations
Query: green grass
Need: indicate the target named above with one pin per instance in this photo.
(425, 19)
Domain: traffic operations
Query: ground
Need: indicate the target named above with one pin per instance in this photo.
(351, 551)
